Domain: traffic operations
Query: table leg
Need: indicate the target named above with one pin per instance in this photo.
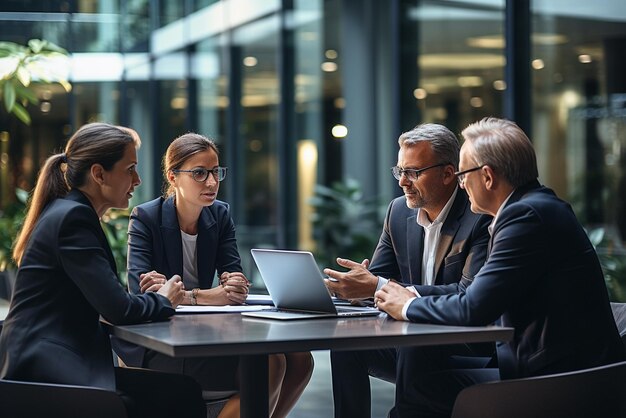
(253, 384)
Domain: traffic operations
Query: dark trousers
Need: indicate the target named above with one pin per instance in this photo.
(152, 394)
(351, 383)
(430, 378)
(411, 368)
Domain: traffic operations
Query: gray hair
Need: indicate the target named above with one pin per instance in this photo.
(503, 146)
(443, 142)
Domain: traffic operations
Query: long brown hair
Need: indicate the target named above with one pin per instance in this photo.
(180, 150)
(94, 143)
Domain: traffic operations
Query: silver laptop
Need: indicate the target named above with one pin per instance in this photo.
(297, 288)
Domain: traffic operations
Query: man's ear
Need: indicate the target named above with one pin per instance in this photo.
(489, 177)
(97, 174)
(448, 174)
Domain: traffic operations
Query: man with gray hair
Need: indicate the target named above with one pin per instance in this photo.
(542, 277)
(430, 236)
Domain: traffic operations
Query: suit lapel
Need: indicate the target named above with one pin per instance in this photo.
(415, 246)
(170, 231)
(448, 230)
(204, 247)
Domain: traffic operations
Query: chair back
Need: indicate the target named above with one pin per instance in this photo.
(596, 392)
(35, 400)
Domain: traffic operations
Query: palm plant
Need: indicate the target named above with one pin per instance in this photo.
(39, 61)
(345, 223)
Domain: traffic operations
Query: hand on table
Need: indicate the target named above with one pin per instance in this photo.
(236, 286)
(151, 281)
(391, 299)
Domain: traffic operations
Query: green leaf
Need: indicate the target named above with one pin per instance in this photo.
(10, 48)
(35, 45)
(9, 96)
(21, 113)
(26, 93)
(52, 47)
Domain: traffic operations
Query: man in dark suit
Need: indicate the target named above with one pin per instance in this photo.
(542, 277)
(430, 236)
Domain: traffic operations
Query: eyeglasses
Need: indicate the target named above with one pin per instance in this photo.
(410, 173)
(460, 175)
(202, 174)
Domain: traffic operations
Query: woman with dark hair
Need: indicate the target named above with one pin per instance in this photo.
(67, 280)
(190, 233)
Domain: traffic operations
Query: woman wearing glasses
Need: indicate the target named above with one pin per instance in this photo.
(191, 233)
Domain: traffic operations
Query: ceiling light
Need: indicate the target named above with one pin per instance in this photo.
(339, 131)
(250, 61)
(499, 85)
(420, 94)
(331, 54)
(537, 64)
(329, 66)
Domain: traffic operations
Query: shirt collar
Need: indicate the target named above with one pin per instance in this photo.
(495, 218)
(422, 219)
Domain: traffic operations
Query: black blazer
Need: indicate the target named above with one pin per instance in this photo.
(66, 280)
(461, 250)
(543, 278)
(154, 242)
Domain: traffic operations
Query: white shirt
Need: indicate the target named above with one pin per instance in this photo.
(432, 234)
(190, 263)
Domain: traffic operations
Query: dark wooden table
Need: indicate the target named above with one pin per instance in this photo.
(254, 339)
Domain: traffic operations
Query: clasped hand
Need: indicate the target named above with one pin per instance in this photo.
(236, 286)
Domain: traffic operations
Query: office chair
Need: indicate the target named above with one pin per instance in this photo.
(35, 400)
(596, 392)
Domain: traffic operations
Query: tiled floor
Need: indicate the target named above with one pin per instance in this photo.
(317, 399)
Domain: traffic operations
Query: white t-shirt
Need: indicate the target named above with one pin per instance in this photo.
(190, 260)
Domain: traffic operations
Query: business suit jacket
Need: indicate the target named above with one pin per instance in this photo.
(66, 281)
(154, 242)
(461, 250)
(543, 278)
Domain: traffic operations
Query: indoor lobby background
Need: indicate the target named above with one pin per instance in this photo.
(299, 93)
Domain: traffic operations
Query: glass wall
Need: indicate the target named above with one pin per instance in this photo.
(319, 92)
(458, 51)
(579, 117)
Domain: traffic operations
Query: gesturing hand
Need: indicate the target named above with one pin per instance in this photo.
(358, 282)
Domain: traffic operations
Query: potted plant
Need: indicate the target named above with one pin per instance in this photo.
(345, 223)
(11, 219)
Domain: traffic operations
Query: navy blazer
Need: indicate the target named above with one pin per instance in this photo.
(154, 242)
(66, 280)
(461, 250)
(543, 278)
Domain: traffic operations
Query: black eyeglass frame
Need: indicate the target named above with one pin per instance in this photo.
(460, 175)
(219, 173)
(397, 172)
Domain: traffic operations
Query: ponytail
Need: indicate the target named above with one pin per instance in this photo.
(50, 185)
